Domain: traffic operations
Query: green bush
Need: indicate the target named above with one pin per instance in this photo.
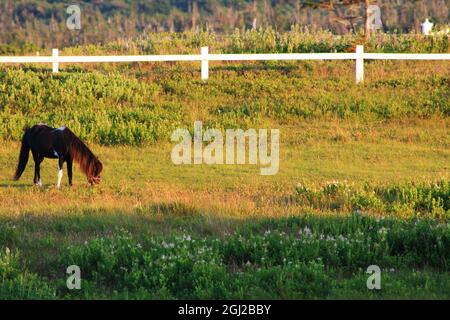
(432, 200)
(262, 40)
(102, 109)
(16, 283)
(302, 257)
(294, 258)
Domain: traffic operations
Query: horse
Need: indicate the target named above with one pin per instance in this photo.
(57, 143)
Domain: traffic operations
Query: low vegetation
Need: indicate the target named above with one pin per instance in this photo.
(145, 104)
(363, 177)
(409, 200)
(302, 257)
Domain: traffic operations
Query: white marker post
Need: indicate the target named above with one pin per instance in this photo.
(359, 64)
(55, 63)
(427, 27)
(205, 63)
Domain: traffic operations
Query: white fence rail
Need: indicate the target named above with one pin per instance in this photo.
(204, 57)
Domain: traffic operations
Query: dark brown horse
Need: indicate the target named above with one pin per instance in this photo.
(61, 144)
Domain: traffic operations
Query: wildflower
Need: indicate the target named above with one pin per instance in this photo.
(307, 231)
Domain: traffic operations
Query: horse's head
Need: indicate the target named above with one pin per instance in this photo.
(94, 177)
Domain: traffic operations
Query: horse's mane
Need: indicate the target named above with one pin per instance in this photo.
(87, 161)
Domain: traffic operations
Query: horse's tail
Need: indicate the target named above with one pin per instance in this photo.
(23, 157)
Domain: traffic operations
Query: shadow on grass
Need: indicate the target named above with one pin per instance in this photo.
(24, 185)
(78, 224)
(15, 185)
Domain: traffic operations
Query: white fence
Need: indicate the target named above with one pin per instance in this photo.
(204, 57)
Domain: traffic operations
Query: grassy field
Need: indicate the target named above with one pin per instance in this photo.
(145, 199)
(363, 180)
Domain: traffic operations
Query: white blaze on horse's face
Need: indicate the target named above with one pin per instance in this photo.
(60, 175)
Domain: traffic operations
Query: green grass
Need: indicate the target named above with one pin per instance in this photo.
(299, 257)
(380, 204)
(264, 40)
(365, 165)
(145, 104)
(315, 153)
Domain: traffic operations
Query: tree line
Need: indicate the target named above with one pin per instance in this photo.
(43, 23)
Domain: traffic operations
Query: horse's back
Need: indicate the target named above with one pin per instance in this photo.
(40, 128)
(47, 141)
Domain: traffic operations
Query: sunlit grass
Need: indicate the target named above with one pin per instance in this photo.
(313, 153)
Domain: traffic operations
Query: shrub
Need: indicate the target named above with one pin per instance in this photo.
(16, 283)
(295, 258)
(432, 199)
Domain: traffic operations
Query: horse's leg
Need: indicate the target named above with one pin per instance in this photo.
(69, 170)
(60, 171)
(37, 170)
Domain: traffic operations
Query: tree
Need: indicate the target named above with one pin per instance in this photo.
(336, 8)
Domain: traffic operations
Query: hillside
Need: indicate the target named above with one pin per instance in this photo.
(43, 23)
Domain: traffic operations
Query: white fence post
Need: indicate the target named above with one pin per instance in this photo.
(205, 63)
(359, 64)
(55, 63)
